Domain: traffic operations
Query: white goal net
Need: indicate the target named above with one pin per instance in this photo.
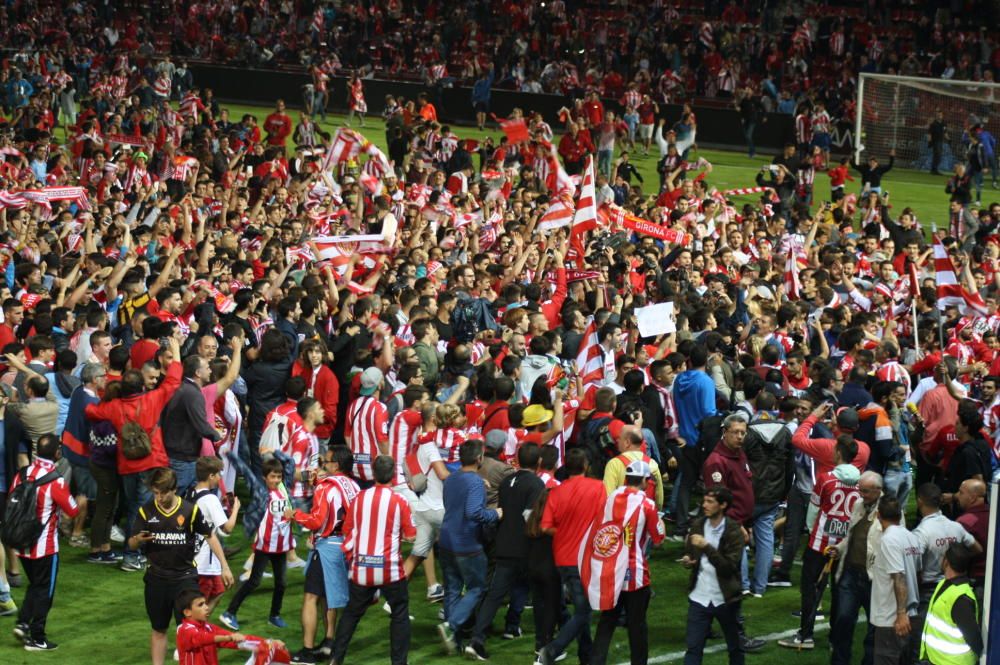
(895, 112)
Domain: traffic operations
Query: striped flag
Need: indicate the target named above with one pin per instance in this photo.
(346, 145)
(560, 213)
(585, 218)
(793, 287)
(949, 292)
(589, 360)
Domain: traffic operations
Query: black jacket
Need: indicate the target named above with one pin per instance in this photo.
(265, 390)
(726, 558)
(873, 176)
(768, 447)
(185, 423)
(517, 494)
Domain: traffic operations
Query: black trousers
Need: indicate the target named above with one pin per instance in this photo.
(38, 596)
(812, 569)
(547, 601)
(634, 604)
(260, 561)
(397, 595)
(506, 574)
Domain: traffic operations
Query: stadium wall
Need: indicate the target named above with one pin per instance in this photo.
(717, 127)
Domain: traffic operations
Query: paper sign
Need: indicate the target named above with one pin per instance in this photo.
(656, 319)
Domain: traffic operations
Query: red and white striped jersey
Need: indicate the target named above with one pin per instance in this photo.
(820, 122)
(837, 43)
(891, 370)
(547, 478)
(377, 521)
(803, 128)
(303, 448)
(274, 534)
(403, 434)
(835, 500)
(367, 426)
(631, 100)
(52, 497)
(334, 495)
(448, 440)
(191, 106)
(612, 556)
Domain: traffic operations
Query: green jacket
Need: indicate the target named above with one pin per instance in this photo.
(427, 355)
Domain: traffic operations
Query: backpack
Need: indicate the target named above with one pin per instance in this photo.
(275, 434)
(415, 477)
(650, 482)
(135, 439)
(21, 526)
(710, 432)
(596, 440)
(469, 318)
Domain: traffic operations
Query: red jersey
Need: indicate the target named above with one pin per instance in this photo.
(196, 645)
(835, 500)
(52, 497)
(571, 509)
(448, 441)
(333, 497)
(377, 521)
(274, 533)
(278, 127)
(367, 426)
(612, 556)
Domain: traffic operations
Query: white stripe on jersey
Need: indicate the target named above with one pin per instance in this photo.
(274, 534)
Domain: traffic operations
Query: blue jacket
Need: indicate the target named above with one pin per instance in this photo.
(481, 89)
(465, 512)
(694, 400)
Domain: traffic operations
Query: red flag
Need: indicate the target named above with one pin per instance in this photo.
(516, 130)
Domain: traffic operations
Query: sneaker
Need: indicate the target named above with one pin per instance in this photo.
(277, 622)
(676, 538)
(820, 615)
(117, 535)
(447, 637)
(512, 633)
(177, 655)
(538, 655)
(746, 592)
(304, 656)
(229, 621)
(7, 607)
(79, 541)
(298, 563)
(441, 614)
(435, 594)
(476, 651)
(779, 580)
(39, 645)
(131, 564)
(797, 642)
(21, 631)
(15, 580)
(245, 575)
(754, 594)
(325, 647)
(751, 644)
(388, 609)
(103, 558)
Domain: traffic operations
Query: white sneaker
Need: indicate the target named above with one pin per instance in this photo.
(298, 563)
(388, 610)
(117, 535)
(177, 655)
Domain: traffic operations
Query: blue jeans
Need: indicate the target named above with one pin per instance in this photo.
(466, 571)
(898, 483)
(604, 162)
(699, 623)
(748, 130)
(653, 448)
(136, 492)
(509, 578)
(185, 475)
(578, 625)
(853, 593)
(763, 539)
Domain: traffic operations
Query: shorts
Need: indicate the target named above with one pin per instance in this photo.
(821, 140)
(481, 107)
(645, 131)
(428, 523)
(82, 483)
(326, 572)
(211, 585)
(160, 596)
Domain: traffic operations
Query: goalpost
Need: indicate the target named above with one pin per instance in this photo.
(894, 112)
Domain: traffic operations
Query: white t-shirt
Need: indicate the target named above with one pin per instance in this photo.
(211, 510)
(898, 552)
(936, 533)
(433, 496)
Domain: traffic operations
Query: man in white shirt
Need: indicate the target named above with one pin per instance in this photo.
(895, 574)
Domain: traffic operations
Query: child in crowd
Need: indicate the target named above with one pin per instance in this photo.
(198, 641)
(208, 472)
(274, 539)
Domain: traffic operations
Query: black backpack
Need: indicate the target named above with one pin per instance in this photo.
(21, 526)
(710, 432)
(470, 317)
(596, 441)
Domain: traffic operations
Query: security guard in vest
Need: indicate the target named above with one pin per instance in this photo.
(951, 632)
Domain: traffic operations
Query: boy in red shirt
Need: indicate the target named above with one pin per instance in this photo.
(198, 641)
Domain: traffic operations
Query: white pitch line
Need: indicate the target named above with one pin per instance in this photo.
(717, 648)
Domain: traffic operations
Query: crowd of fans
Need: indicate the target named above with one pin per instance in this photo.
(515, 354)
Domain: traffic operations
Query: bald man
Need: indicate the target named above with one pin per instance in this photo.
(630, 448)
(975, 518)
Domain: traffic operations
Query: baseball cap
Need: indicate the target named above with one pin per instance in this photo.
(496, 439)
(535, 414)
(615, 428)
(638, 469)
(371, 379)
(848, 419)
